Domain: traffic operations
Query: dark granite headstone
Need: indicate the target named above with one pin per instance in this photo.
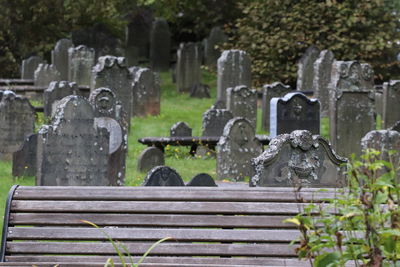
(211, 53)
(322, 77)
(180, 129)
(391, 103)
(202, 179)
(188, 74)
(214, 121)
(81, 60)
(298, 158)
(305, 69)
(160, 45)
(24, 159)
(29, 66)
(242, 102)
(150, 158)
(163, 176)
(294, 111)
(59, 57)
(56, 92)
(45, 74)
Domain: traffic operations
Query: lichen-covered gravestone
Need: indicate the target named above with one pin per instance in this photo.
(29, 66)
(391, 103)
(160, 45)
(276, 89)
(234, 68)
(150, 158)
(211, 54)
(55, 92)
(202, 179)
(146, 93)
(242, 102)
(236, 147)
(81, 60)
(305, 69)
(180, 129)
(188, 67)
(298, 158)
(45, 74)
(351, 106)
(322, 77)
(17, 121)
(214, 121)
(59, 57)
(24, 159)
(72, 150)
(163, 176)
(294, 111)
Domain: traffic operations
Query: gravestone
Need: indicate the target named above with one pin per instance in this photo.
(211, 54)
(270, 91)
(45, 74)
(160, 45)
(180, 129)
(200, 91)
(29, 66)
(81, 60)
(202, 179)
(150, 158)
(163, 176)
(379, 100)
(351, 106)
(214, 121)
(17, 121)
(24, 159)
(391, 103)
(146, 93)
(322, 77)
(219, 104)
(236, 147)
(71, 150)
(111, 72)
(294, 111)
(298, 159)
(188, 72)
(305, 69)
(395, 127)
(234, 68)
(55, 92)
(242, 102)
(59, 57)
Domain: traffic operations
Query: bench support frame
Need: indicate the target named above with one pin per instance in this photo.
(5, 225)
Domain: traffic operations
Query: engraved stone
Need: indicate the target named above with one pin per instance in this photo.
(202, 179)
(24, 159)
(56, 92)
(211, 53)
(45, 74)
(163, 176)
(29, 66)
(391, 103)
(160, 45)
(322, 77)
(214, 121)
(59, 57)
(188, 73)
(150, 158)
(180, 129)
(298, 158)
(242, 102)
(236, 147)
(305, 69)
(81, 60)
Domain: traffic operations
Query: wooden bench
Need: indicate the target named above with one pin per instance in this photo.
(208, 226)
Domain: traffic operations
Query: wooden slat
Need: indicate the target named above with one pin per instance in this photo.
(94, 264)
(138, 234)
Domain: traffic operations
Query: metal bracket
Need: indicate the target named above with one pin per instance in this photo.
(6, 220)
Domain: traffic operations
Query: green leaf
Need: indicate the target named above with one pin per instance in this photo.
(327, 259)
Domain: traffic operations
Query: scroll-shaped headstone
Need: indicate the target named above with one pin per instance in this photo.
(270, 91)
(59, 57)
(160, 45)
(391, 103)
(202, 179)
(298, 158)
(214, 121)
(24, 159)
(322, 77)
(146, 93)
(236, 147)
(29, 66)
(150, 158)
(234, 69)
(45, 74)
(180, 129)
(55, 92)
(305, 69)
(188, 72)
(81, 60)
(211, 53)
(242, 102)
(72, 151)
(111, 72)
(163, 176)
(17, 121)
(294, 111)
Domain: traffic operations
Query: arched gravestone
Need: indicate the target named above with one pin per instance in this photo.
(236, 147)
(188, 64)
(305, 69)
(180, 129)
(29, 66)
(322, 77)
(59, 57)
(351, 105)
(214, 121)
(146, 92)
(17, 121)
(24, 160)
(391, 103)
(160, 45)
(55, 92)
(242, 102)
(163, 176)
(294, 111)
(211, 53)
(111, 72)
(202, 179)
(110, 115)
(234, 69)
(276, 89)
(298, 158)
(45, 74)
(150, 158)
(81, 60)
(71, 150)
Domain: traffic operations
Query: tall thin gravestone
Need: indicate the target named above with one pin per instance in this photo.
(29, 66)
(322, 77)
(391, 103)
(242, 102)
(305, 69)
(81, 60)
(160, 45)
(45, 74)
(59, 57)
(55, 92)
(188, 67)
(211, 53)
